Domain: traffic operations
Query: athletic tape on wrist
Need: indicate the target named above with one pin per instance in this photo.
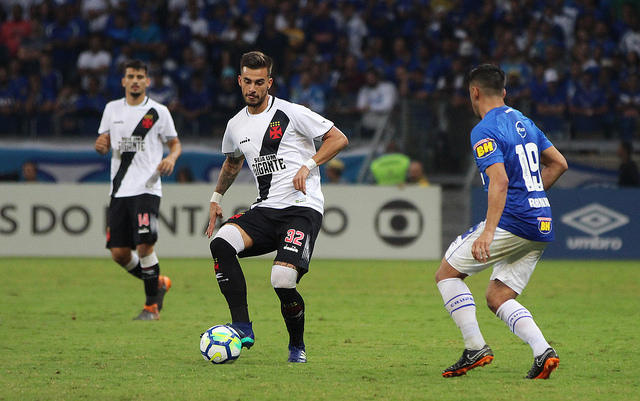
(216, 197)
(311, 164)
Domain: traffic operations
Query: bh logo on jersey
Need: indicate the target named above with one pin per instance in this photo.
(544, 225)
(147, 121)
(275, 130)
(484, 148)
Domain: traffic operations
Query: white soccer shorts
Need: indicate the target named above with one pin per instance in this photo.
(513, 258)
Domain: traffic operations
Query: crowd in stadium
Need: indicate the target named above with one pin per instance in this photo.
(572, 65)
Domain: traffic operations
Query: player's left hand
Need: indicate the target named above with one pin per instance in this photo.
(166, 166)
(300, 180)
(480, 248)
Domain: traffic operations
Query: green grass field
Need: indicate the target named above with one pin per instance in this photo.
(376, 330)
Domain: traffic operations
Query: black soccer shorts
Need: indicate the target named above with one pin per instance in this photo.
(132, 220)
(291, 232)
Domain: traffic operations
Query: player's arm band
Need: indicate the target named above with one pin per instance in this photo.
(311, 164)
(216, 197)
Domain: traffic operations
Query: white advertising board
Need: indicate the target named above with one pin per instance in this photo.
(361, 222)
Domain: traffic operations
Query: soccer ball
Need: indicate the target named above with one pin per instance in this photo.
(220, 344)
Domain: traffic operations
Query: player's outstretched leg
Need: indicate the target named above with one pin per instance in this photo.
(234, 287)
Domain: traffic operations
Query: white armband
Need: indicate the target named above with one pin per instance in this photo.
(311, 164)
(216, 197)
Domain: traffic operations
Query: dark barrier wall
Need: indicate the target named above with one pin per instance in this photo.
(588, 223)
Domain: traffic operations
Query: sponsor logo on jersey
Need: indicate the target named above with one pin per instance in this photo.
(267, 164)
(484, 148)
(245, 140)
(147, 121)
(520, 129)
(132, 144)
(544, 225)
(275, 130)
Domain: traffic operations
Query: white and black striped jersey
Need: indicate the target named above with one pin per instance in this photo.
(276, 143)
(138, 134)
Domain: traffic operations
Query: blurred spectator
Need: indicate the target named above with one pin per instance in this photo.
(96, 13)
(308, 93)
(628, 107)
(177, 35)
(376, 100)
(588, 107)
(334, 170)
(8, 104)
(550, 106)
(354, 27)
(29, 172)
(416, 175)
(322, 28)
(628, 175)
(117, 31)
(275, 43)
(162, 89)
(39, 107)
(65, 36)
(198, 27)
(32, 47)
(195, 107)
(341, 107)
(145, 36)
(66, 121)
(390, 169)
(90, 105)
(15, 30)
(228, 99)
(94, 62)
(184, 175)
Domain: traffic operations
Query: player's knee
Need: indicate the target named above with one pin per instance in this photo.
(121, 256)
(283, 277)
(221, 249)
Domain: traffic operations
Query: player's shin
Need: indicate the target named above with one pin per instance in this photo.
(284, 281)
(461, 305)
(150, 270)
(521, 323)
(230, 279)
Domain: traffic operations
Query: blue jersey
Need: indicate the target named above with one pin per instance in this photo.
(506, 136)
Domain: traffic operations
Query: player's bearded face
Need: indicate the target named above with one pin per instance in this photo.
(255, 86)
(135, 82)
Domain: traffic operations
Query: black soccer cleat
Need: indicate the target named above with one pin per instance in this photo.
(245, 332)
(469, 360)
(543, 365)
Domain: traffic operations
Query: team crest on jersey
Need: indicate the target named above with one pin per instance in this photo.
(520, 129)
(275, 130)
(484, 148)
(147, 121)
(544, 225)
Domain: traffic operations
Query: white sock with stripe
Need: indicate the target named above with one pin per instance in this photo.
(459, 302)
(521, 323)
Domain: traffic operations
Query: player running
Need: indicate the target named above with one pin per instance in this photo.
(517, 164)
(135, 128)
(277, 140)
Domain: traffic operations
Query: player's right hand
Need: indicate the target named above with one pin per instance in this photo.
(215, 211)
(103, 143)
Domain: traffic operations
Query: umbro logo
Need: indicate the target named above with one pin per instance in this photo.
(595, 219)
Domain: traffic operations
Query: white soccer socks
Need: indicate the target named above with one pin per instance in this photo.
(521, 323)
(459, 302)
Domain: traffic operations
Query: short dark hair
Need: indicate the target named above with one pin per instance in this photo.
(256, 60)
(136, 65)
(488, 77)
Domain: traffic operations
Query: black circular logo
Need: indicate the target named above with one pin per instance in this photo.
(399, 223)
